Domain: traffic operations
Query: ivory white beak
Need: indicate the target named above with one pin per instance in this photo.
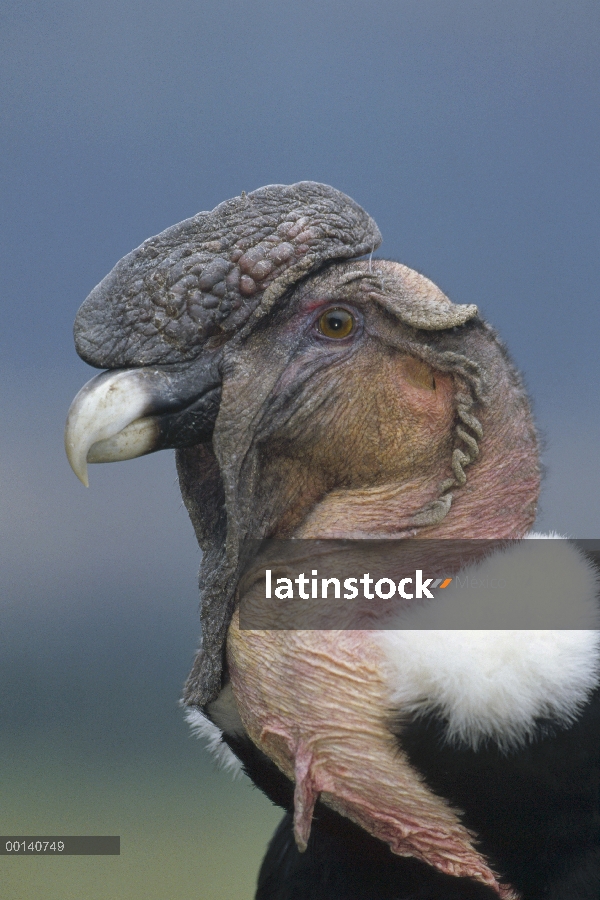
(106, 421)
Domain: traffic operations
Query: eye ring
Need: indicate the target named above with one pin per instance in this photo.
(336, 322)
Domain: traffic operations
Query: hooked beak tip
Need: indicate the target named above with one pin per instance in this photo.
(102, 409)
(77, 459)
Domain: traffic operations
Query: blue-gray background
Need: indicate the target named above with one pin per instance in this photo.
(468, 129)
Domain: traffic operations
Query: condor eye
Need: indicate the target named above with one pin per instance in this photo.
(336, 323)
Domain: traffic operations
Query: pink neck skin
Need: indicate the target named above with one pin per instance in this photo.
(498, 501)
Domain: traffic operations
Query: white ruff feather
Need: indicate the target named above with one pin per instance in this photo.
(212, 736)
(496, 684)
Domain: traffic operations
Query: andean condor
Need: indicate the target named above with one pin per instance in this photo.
(316, 396)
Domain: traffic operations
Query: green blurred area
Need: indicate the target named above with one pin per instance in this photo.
(93, 742)
(187, 830)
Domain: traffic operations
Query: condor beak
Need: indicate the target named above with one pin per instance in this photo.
(126, 413)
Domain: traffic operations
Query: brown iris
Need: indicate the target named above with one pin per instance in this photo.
(336, 323)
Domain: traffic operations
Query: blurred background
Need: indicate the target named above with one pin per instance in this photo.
(469, 130)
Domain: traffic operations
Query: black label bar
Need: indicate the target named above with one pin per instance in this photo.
(59, 845)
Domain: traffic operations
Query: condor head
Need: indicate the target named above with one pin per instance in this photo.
(308, 393)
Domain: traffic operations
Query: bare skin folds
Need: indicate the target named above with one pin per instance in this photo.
(364, 461)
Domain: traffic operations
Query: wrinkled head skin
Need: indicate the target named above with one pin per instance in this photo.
(416, 422)
(309, 393)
